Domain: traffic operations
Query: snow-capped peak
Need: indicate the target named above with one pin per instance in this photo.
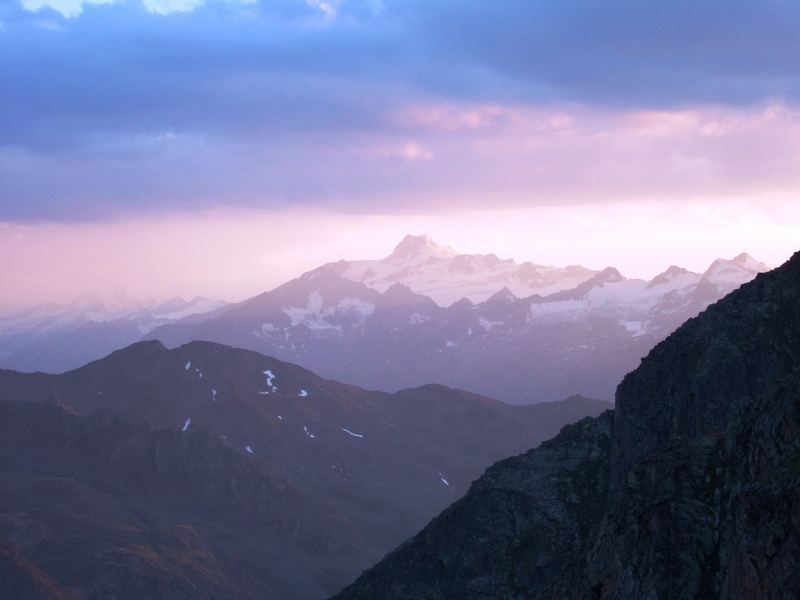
(504, 295)
(415, 246)
(670, 275)
(748, 262)
(723, 268)
(727, 275)
(608, 275)
(445, 276)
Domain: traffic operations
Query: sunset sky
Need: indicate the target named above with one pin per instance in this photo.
(220, 147)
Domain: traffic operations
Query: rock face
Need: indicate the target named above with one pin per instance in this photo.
(348, 473)
(518, 526)
(690, 490)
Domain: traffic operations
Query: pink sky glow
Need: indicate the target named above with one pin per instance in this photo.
(232, 254)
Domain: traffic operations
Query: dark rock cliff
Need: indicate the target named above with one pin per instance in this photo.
(692, 492)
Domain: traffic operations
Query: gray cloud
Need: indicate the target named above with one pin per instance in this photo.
(119, 110)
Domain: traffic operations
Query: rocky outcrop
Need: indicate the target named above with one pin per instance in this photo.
(515, 530)
(691, 493)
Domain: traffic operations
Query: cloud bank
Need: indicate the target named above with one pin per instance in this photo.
(132, 107)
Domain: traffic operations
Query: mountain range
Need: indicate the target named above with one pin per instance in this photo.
(58, 337)
(206, 472)
(446, 276)
(424, 314)
(689, 488)
(580, 339)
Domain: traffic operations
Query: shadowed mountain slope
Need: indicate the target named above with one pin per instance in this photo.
(100, 508)
(688, 490)
(367, 469)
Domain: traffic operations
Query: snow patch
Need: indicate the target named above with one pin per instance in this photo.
(637, 328)
(186, 424)
(249, 449)
(270, 381)
(308, 433)
(356, 435)
(303, 393)
(417, 319)
(354, 306)
(188, 366)
(314, 314)
(441, 477)
(489, 325)
(214, 395)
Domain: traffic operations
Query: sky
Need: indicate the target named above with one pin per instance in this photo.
(220, 147)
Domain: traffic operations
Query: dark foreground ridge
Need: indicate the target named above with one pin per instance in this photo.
(97, 507)
(212, 472)
(690, 489)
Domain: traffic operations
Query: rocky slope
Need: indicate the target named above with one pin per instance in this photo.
(689, 490)
(99, 508)
(370, 468)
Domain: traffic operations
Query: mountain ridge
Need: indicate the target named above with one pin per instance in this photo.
(371, 467)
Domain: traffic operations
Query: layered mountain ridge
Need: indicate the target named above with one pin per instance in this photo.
(577, 340)
(688, 489)
(159, 454)
(381, 324)
(100, 507)
(59, 337)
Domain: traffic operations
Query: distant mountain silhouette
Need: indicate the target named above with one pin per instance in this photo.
(58, 337)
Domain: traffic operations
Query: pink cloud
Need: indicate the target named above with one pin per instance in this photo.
(413, 151)
(444, 117)
(520, 155)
